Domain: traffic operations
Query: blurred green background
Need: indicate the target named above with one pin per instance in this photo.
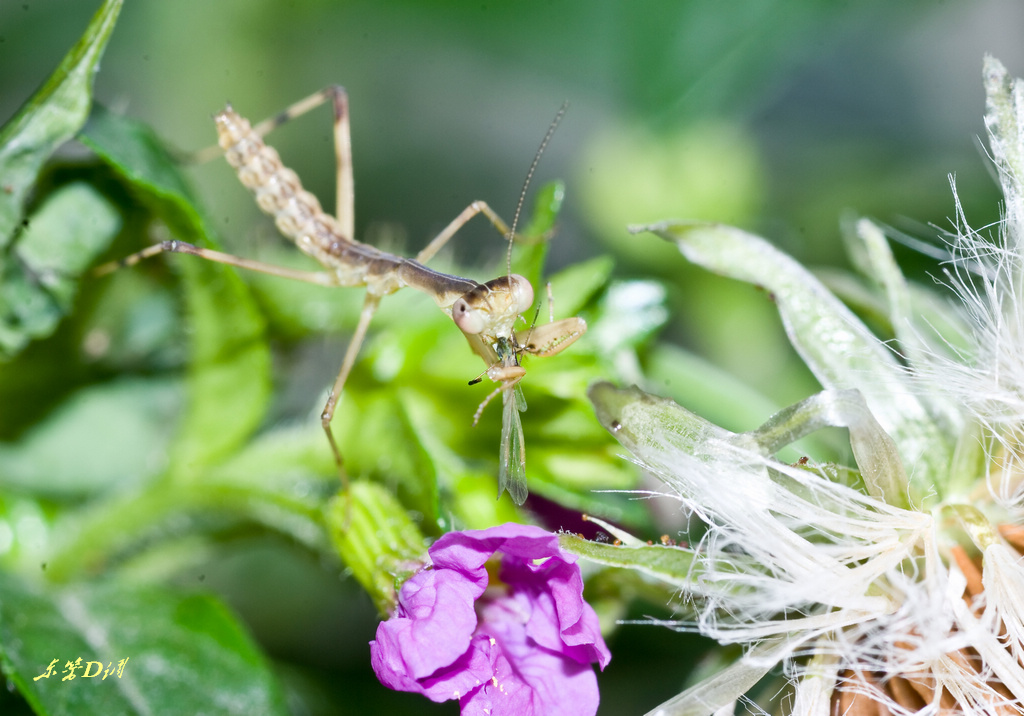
(778, 117)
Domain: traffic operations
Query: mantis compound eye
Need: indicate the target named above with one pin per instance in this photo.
(521, 291)
(469, 320)
(493, 304)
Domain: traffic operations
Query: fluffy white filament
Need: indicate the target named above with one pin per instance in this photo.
(787, 551)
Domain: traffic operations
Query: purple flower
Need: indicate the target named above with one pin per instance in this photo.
(522, 644)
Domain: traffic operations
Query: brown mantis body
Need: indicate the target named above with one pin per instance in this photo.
(486, 313)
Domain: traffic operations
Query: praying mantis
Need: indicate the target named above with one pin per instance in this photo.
(489, 315)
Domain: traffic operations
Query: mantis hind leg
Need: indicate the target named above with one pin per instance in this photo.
(344, 206)
(370, 305)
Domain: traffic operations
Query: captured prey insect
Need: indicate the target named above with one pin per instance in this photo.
(487, 314)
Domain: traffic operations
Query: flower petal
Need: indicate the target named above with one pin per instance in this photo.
(531, 681)
(529, 651)
(560, 619)
(431, 630)
(468, 551)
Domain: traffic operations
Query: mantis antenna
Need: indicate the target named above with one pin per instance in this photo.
(529, 176)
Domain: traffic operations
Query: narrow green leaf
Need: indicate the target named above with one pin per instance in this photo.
(448, 466)
(533, 239)
(906, 319)
(669, 564)
(547, 204)
(377, 438)
(49, 118)
(833, 342)
(640, 421)
(656, 430)
(875, 452)
(143, 650)
(229, 373)
(724, 689)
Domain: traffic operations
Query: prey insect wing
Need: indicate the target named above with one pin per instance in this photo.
(512, 462)
(512, 451)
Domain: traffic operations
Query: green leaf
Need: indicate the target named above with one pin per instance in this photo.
(229, 372)
(50, 117)
(547, 203)
(630, 313)
(875, 452)
(107, 436)
(647, 424)
(533, 240)
(276, 480)
(139, 157)
(833, 342)
(447, 465)
(39, 277)
(575, 285)
(377, 438)
(180, 653)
